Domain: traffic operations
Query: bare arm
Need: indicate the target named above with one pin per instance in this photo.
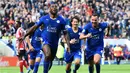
(29, 43)
(67, 39)
(83, 36)
(31, 30)
(107, 31)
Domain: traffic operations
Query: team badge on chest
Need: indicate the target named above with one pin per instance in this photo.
(58, 21)
(100, 29)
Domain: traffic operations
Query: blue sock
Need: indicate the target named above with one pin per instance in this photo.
(91, 68)
(68, 71)
(98, 68)
(31, 66)
(36, 67)
(46, 66)
(76, 68)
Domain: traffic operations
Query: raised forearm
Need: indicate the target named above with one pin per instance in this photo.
(31, 30)
(67, 39)
(82, 36)
(28, 41)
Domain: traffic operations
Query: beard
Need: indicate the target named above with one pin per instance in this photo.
(95, 24)
(53, 12)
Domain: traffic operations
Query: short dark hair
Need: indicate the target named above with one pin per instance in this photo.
(75, 17)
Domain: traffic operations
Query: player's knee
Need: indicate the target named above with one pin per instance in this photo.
(97, 58)
(38, 59)
(68, 66)
(47, 57)
(77, 62)
(96, 61)
(90, 63)
(47, 54)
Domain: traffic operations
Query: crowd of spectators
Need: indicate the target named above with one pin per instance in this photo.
(115, 12)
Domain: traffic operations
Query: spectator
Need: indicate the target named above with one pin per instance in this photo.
(118, 53)
(107, 53)
(126, 52)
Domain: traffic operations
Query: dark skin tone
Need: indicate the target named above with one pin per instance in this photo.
(46, 48)
(17, 25)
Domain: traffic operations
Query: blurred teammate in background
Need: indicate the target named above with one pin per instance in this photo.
(35, 49)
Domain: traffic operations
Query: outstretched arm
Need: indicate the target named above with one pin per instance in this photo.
(29, 43)
(83, 36)
(31, 30)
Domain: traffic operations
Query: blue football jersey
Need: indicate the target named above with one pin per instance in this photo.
(97, 35)
(36, 39)
(75, 35)
(52, 29)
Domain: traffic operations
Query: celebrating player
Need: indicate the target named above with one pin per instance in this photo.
(75, 45)
(94, 32)
(53, 25)
(35, 48)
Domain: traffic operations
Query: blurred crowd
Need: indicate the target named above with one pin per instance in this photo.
(114, 12)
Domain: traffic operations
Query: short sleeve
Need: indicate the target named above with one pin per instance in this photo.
(39, 22)
(104, 25)
(85, 30)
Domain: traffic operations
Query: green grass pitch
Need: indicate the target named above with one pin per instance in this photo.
(83, 69)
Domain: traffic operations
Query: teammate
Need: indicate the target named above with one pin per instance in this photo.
(53, 24)
(75, 46)
(20, 45)
(35, 48)
(94, 32)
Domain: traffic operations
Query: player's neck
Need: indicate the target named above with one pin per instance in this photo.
(94, 26)
(75, 29)
(53, 16)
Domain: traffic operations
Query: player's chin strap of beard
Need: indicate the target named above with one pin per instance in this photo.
(95, 23)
